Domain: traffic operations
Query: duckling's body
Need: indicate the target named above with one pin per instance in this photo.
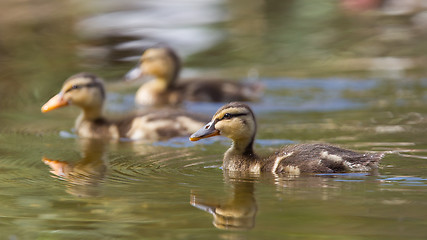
(87, 92)
(303, 158)
(164, 65)
(237, 121)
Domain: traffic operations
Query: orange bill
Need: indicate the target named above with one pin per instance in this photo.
(55, 102)
(205, 132)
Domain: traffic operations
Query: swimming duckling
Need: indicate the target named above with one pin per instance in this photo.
(86, 91)
(164, 64)
(237, 122)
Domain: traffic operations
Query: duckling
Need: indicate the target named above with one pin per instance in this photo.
(237, 122)
(164, 64)
(86, 91)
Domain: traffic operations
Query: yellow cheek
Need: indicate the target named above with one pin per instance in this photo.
(155, 69)
(231, 128)
(78, 97)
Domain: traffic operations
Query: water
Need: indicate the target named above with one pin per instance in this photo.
(343, 77)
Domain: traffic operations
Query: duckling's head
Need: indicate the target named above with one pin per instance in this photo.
(84, 90)
(161, 62)
(234, 120)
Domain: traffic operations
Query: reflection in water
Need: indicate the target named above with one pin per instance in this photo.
(85, 176)
(237, 213)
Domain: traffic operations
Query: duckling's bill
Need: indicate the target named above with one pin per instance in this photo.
(205, 132)
(55, 102)
(134, 73)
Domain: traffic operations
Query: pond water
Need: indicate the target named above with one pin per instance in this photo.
(333, 71)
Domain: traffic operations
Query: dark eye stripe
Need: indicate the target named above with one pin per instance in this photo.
(82, 86)
(229, 115)
(143, 59)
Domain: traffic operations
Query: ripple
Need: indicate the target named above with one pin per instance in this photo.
(406, 181)
(177, 142)
(177, 165)
(344, 174)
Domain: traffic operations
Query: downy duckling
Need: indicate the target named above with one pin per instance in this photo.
(86, 91)
(237, 122)
(164, 65)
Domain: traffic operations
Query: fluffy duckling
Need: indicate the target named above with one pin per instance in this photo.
(164, 65)
(86, 91)
(237, 122)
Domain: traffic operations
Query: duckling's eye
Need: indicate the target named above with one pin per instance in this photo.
(227, 116)
(74, 87)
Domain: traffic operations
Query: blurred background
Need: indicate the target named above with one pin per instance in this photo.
(44, 42)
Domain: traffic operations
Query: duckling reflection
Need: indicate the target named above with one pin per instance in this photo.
(85, 176)
(238, 213)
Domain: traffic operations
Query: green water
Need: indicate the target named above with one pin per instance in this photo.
(346, 78)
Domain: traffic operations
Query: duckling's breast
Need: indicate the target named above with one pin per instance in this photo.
(93, 129)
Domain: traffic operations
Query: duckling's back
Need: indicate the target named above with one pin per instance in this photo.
(218, 90)
(321, 158)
